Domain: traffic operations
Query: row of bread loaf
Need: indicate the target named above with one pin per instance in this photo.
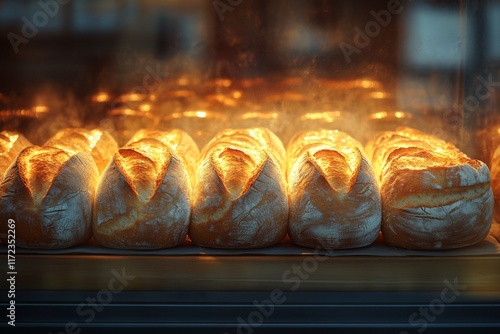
(243, 191)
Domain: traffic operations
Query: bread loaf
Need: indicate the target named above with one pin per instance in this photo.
(11, 144)
(333, 194)
(49, 193)
(98, 142)
(239, 198)
(143, 196)
(433, 195)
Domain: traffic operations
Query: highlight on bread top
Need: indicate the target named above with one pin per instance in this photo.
(244, 190)
(334, 196)
(143, 197)
(239, 198)
(433, 195)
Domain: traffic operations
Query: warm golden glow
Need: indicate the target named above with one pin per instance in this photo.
(237, 94)
(368, 84)
(337, 168)
(145, 107)
(183, 81)
(94, 137)
(260, 115)
(237, 167)
(335, 155)
(399, 114)
(199, 114)
(47, 159)
(13, 138)
(143, 163)
(293, 96)
(325, 116)
(351, 84)
(133, 97)
(192, 114)
(101, 97)
(183, 93)
(223, 82)
(378, 95)
(225, 100)
(7, 141)
(126, 112)
(390, 115)
(40, 109)
(379, 115)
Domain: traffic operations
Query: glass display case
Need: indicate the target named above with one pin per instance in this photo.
(203, 66)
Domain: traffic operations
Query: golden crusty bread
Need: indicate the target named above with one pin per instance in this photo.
(142, 198)
(179, 141)
(11, 144)
(433, 195)
(333, 194)
(495, 183)
(97, 142)
(49, 193)
(239, 198)
(248, 137)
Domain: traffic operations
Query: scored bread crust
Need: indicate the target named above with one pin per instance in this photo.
(251, 138)
(97, 142)
(433, 195)
(239, 199)
(179, 141)
(333, 193)
(48, 192)
(142, 198)
(11, 144)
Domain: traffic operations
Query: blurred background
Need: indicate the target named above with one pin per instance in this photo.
(287, 64)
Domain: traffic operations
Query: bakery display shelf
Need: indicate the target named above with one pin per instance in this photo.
(190, 289)
(189, 267)
(212, 293)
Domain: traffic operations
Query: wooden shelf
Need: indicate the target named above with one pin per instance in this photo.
(254, 272)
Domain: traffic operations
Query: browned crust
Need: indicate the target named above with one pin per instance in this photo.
(11, 144)
(143, 164)
(256, 219)
(237, 168)
(50, 210)
(143, 198)
(38, 168)
(178, 141)
(250, 138)
(433, 195)
(97, 142)
(239, 199)
(333, 194)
